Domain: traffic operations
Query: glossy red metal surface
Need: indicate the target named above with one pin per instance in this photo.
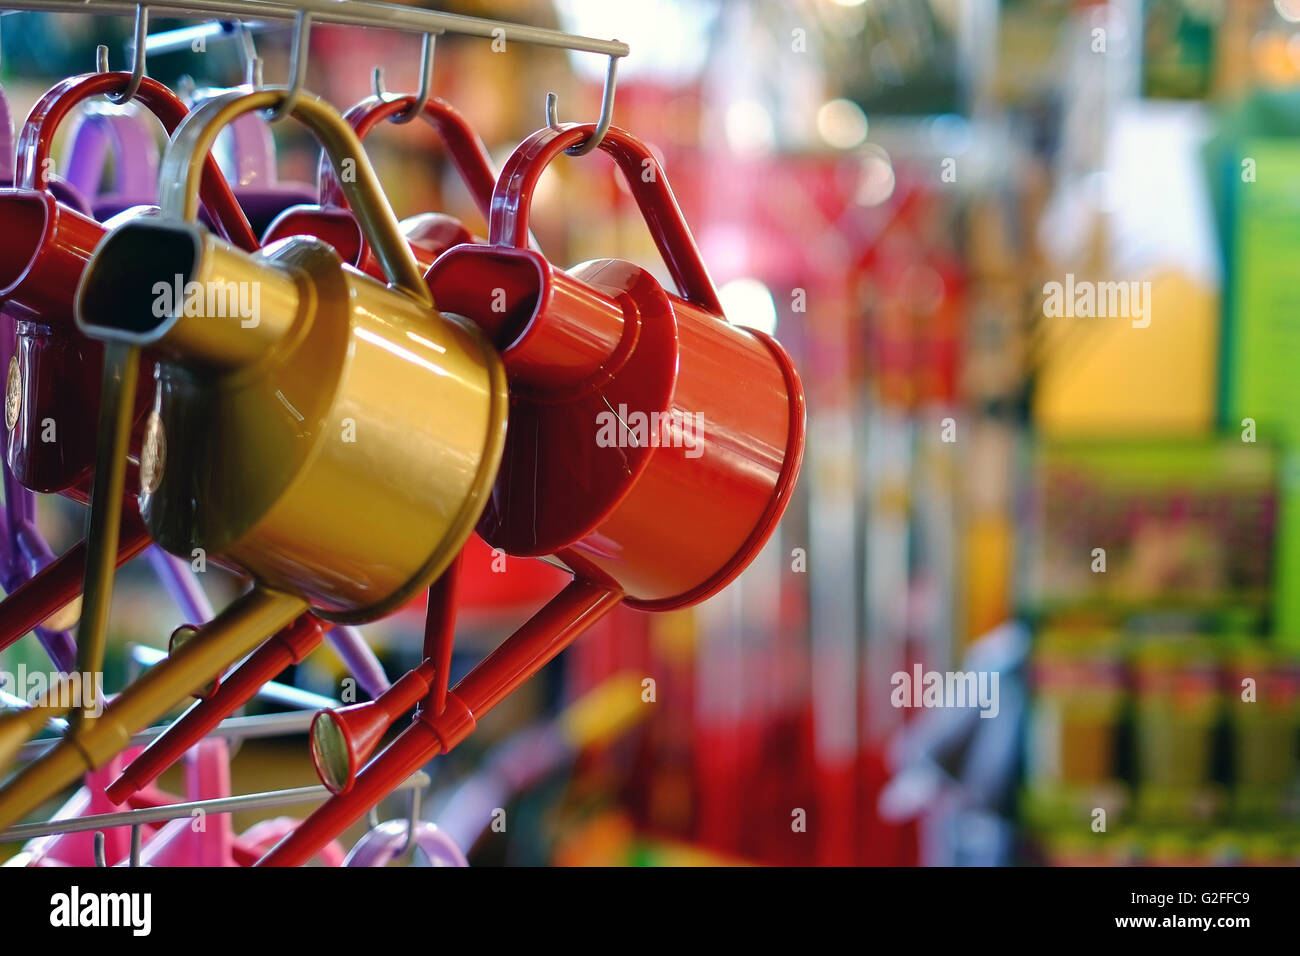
(697, 411)
(53, 374)
(429, 234)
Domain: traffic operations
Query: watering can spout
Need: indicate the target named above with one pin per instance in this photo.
(554, 332)
(177, 288)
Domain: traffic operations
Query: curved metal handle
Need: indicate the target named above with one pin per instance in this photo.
(508, 224)
(179, 176)
(467, 152)
(37, 136)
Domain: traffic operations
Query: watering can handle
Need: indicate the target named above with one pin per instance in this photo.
(179, 176)
(508, 223)
(466, 150)
(136, 165)
(37, 136)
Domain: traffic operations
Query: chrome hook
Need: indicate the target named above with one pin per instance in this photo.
(138, 56)
(426, 82)
(248, 54)
(297, 67)
(407, 852)
(606, 112)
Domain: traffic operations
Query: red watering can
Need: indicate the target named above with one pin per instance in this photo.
(652, 449)
(52, 372)
(53, 377)
(429, 234)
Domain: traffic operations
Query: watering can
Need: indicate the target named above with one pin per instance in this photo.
(375, 423)
(485, 583)
(52, 378)
(261, 194)
(52, 371)
(655, 520)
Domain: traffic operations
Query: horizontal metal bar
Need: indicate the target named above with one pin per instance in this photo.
(232, 728)
(357, 13)
(126, 818)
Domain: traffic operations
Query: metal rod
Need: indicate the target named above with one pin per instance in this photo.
(297, 67)
(138, 47)
(232, 728)
(246, 801)
(357, 13)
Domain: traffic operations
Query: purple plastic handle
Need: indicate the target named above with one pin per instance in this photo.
(134, 146)
(26, 553)
(253, 145)
(6, 143)
(386, 841)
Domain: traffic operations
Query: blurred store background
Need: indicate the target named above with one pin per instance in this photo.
(1098, 508)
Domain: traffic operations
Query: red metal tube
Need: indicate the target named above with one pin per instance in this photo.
(440, 633)
(59, 582)
(286, 648)
(519, 657)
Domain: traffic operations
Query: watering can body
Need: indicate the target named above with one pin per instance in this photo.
(652, 449)
(653, 445)
(52, 372)
(329, 435)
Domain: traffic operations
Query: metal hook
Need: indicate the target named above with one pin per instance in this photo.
(408, 848)
(248, 53)
(254, 73)
(101, 855)
(138, 56)
(297, 67)
(426, 82)
(606, 112)
(137, 841)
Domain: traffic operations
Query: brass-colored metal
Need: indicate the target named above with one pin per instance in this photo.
(236, 631)
(330, 751)
(116, 412)
(182, 636)
(179, 175)
(153, 454)
(66, 617)
(339, 444)
(13, 393)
